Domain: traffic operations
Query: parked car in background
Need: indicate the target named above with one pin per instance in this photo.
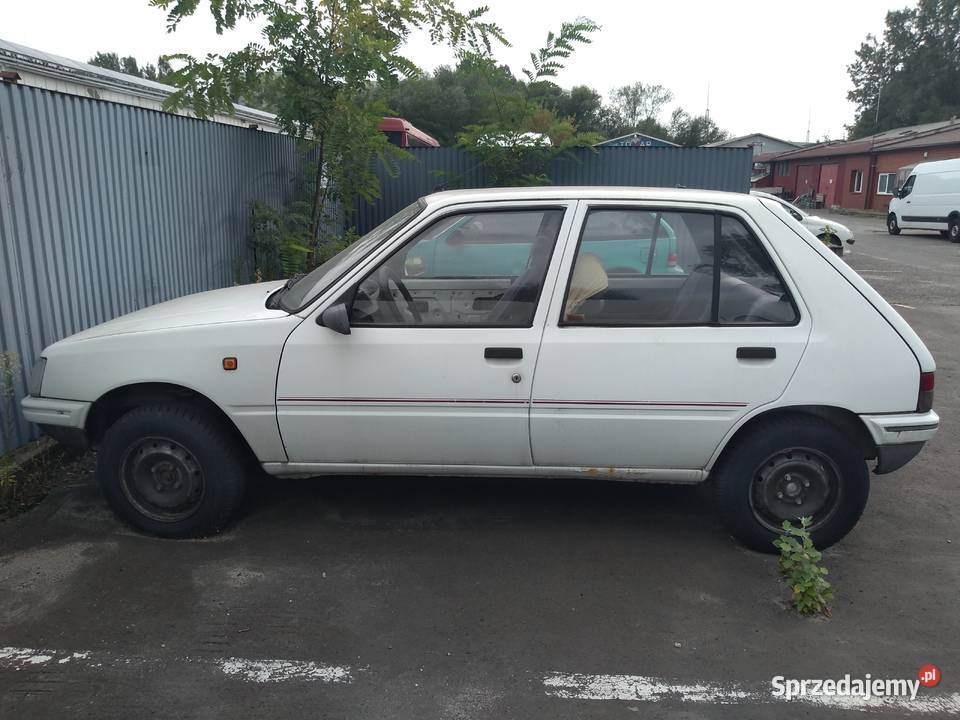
(634, 334)
(928, 200)
(829, 232)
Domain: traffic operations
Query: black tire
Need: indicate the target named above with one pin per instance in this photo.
(953, 229)
(171, 470)
(802, 445)
(892, 227)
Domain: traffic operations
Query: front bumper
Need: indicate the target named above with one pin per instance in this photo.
(900, 437)
(63, 420)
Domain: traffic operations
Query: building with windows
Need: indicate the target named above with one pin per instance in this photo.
(857, 174)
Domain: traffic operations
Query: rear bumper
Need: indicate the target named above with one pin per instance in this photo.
(63, 420)
(900, 437)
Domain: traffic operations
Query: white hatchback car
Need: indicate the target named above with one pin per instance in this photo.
(616, 333)
(829, 232)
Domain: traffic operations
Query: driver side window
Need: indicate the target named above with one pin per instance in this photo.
(475, 268)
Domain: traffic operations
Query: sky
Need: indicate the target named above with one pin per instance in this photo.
(770, 66)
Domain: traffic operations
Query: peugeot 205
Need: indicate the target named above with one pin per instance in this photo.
(633, 334)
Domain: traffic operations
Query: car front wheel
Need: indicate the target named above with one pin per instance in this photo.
(171, 470)
(953, 230)
(787, 468)
(892, 227)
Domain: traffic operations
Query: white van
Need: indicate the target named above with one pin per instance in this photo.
(929, 200)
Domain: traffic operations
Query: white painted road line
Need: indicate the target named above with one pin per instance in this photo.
(643, 689)
(908, 307)
(258, 671)
(266, 671)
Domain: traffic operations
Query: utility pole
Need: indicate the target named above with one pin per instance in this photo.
(876, 120)
(809, 112)
(708, 98)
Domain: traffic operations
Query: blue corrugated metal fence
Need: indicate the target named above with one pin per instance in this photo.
(432, 169)
(107, 208)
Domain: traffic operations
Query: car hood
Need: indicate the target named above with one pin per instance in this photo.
(233, 304)
(823, 222)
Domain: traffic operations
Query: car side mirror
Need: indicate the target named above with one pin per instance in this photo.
(337, 318)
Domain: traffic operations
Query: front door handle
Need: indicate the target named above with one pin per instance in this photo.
(503, 353)
(756, 353)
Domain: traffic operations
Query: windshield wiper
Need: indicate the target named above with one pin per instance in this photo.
(274, 300)
(293, 280)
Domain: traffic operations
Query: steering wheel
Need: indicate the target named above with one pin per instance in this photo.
(385, 276)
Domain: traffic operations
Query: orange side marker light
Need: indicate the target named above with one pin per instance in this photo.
(229, 363)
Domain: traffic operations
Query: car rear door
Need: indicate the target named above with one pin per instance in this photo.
(652, 369)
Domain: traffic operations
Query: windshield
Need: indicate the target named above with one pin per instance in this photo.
(304, 290)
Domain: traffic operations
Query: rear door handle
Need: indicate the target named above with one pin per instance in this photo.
(756, 353)
(503, 353)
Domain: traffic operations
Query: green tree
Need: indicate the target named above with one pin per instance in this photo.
(694, 130)
(912, 74)
(129, 66)
(639, 103)
(325, 53)
(444, 102)
(517, 145)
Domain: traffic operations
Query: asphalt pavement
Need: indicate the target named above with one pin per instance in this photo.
(430, 598)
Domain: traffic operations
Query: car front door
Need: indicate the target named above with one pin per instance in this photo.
(648, 363)
(437, 368)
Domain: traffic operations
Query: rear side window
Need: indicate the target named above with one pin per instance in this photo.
(751, 291)
(649, 267)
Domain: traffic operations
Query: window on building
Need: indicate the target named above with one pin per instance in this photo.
(783, 168)
(886, 183)
(856, 181)
(646, 268)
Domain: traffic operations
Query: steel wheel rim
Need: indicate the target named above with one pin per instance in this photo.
(954, 230)
(892, 223)
(162, 479)
(794, 483)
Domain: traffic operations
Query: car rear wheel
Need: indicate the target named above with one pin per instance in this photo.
(953, 229)
(787, 468)
(171, 470)
(892, 227)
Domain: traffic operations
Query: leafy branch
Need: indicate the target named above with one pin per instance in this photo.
(547, 61)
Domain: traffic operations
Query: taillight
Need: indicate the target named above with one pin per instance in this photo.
(925, 396)
(672, 260)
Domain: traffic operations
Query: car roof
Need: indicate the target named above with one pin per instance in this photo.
(454, 197)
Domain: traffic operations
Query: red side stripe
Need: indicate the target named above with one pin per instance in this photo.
(509, 401)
